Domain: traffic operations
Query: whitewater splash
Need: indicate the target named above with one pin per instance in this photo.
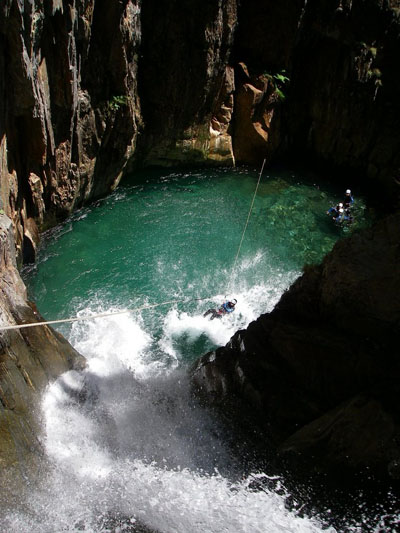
(127, 443)
(192, 328)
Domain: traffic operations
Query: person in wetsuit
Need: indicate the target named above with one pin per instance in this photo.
(340, 216)
(348, 199)
(226, 307)
(334, 211)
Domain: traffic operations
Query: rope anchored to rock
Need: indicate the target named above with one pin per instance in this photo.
(99, 315)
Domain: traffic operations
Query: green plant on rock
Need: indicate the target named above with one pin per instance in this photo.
(281, 94)
(278, 80)
(281, 78)
(117, 102)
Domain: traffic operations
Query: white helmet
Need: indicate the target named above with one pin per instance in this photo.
(234, 301)
(341, 210)
(340, 205)
(348, 191)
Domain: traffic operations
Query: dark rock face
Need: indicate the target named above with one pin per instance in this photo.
(345, 84)
(29, 360)
(69, 110)
(184, 82)
(321, 370)
(341, 105)
(91, 89)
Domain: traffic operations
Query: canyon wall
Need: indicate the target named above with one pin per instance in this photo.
(93, 89)
(186, 82)
(339, 107)
(346, 83)
(319, 374)
(69, 109)
(29, 359)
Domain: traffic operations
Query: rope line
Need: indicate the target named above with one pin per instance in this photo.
(248, 217)
(99, 315)
(141, 308)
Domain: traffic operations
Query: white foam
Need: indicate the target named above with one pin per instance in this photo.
(169, 501)
(182, 501)
(113, 344)
(252, 302)
(70, 434)
(82, 494)
(124, 440)
(127, 448)
(179, 324)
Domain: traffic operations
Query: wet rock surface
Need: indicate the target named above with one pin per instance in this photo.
(319, 374)
(29, 360)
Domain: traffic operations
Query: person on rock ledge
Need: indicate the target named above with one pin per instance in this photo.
(340, 216)
(348, 199)
(335, 211)
(226, 307)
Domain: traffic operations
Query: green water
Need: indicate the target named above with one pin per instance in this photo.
(136, 444)
(166, 235)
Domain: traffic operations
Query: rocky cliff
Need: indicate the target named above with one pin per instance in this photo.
(69, 107)
(29, 360)
(319, 374)
(91, 89)
(345, 81)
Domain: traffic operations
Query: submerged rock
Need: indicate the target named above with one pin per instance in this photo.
(320, 373)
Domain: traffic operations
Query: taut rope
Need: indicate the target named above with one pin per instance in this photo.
(141, 308)
(98, 315)
(248, 218)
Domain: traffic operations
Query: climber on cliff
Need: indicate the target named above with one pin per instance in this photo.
(226, 307)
